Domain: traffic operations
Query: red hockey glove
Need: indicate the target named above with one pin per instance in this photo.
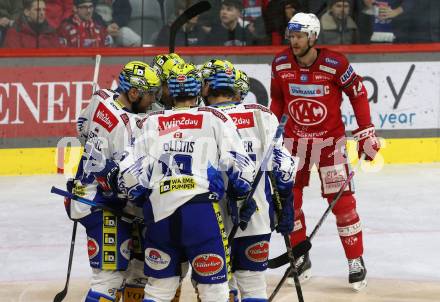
(367, 141)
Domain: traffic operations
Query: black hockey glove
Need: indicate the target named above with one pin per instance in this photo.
(285, 220)
(247, 209)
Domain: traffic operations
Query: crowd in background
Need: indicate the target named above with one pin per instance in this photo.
(134, 23)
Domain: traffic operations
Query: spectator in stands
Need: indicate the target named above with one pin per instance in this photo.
(115, 16)
(9, 11)
(227, 31)
(31, 29)
(191, 33)
(80, 30)
(337, 26)
(386, 12)
(57, 11)
(276, 16)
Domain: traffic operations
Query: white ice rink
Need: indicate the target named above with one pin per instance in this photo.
(399, 208)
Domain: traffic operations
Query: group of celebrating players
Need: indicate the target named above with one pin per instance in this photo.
(187, 169)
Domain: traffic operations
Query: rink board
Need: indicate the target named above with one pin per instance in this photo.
(29, 161)
(315, 290)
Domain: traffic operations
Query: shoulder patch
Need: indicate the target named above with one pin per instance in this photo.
(258, 107)
(125, 118)
(280, 58)
(327, 69)
(331, 61)
(347, 75)
(104, 117)
(283, 66)
(215, 112)
(102, 94)
(156, 112)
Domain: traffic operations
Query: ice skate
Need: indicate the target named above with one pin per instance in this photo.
(357, 274)
(303, 266)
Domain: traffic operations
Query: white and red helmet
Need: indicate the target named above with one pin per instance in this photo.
(307, 23)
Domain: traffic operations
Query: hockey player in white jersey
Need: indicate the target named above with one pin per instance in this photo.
(107, 127)
(179, 169)
(256, 125)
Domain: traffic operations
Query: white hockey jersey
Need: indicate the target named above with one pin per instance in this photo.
(107, 131)
(257, 126)
(182, 153)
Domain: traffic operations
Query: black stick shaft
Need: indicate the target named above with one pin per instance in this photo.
(62, 294)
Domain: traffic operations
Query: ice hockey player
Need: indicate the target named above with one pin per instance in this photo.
(106, 126)
(179, 168)
(163, 64)
(307, 83)
(250, 249)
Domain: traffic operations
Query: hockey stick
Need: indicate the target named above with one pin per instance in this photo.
(278, 210)
(283, 259)
(124, 216)
(264, 162)
(292, 267)
(320, 222)
(189, 13)
(62, 294)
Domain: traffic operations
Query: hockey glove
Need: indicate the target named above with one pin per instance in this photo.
(367, 141)
(247, 209)
(285, 220)
(107, 179)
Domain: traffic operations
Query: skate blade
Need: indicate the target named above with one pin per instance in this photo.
(304, 277)
(358, 286)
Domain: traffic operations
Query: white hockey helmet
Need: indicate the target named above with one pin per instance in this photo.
(307, 23)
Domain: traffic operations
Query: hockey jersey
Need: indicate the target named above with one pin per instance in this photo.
(312, 96)
(106, 129)
(182, 153)
(257, 126)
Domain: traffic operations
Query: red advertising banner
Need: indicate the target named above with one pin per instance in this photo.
(45, 101)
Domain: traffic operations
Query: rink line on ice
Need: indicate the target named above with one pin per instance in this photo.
(29, 161)
(318, 289)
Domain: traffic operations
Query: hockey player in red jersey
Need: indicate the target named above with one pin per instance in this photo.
(307, 83)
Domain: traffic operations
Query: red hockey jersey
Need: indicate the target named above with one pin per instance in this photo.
(312, 96)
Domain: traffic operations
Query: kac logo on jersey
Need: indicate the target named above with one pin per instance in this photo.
(307, 112)
(347, 75)
(306, 90)
(243, 120)
(304, 77)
